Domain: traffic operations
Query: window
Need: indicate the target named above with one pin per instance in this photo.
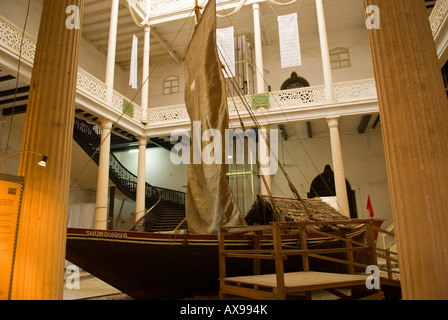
(340, 58)
(171, 85)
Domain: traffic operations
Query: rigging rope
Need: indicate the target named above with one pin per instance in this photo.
(17, 83)
(291, 185)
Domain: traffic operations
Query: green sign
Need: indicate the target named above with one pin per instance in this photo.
(261, 100)
(128, 108)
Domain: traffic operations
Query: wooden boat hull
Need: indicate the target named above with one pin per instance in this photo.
(167, 265)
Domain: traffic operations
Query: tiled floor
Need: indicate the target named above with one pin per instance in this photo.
(89, 287)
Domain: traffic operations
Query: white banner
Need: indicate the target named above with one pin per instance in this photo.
(133, 68)
(226, 49)
(288, 29)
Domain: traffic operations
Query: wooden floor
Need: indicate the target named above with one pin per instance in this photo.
(302, 281)
(264, 286)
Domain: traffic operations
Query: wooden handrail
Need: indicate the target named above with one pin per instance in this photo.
(147, 212)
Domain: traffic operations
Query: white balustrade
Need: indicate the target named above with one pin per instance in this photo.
(95, 89)
(11, 38)
(438, 15)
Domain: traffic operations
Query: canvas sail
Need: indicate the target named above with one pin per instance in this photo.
(210, 202)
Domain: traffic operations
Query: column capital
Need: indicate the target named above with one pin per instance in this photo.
(333, 122)
(106, 123)
(256, 6)
(142, 140)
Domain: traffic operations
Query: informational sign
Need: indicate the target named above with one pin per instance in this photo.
(11, 190)
(289, 41)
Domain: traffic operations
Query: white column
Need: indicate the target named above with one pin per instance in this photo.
(338, 167)
(145, 75)
(328, 78)
(112, 46)
(259, 70)
(265, 183)
(141, 181)
(102, 189)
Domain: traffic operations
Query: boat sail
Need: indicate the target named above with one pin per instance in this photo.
(209, 202)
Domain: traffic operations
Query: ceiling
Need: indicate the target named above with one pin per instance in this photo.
(176, 34)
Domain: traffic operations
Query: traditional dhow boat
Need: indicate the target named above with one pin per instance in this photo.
(184, 263)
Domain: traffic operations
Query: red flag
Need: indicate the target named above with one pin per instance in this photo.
(369, 206)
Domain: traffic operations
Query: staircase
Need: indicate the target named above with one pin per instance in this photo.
(169, 205)
(170, 217)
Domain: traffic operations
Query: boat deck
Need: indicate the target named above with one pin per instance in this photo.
(265, 286)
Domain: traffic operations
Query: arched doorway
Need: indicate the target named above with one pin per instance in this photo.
(323, 186)
(294, 82)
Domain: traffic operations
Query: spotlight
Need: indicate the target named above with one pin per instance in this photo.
(43, 162)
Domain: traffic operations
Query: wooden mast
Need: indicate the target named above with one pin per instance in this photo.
(197, 11)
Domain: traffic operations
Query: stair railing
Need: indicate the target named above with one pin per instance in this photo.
(88, 137)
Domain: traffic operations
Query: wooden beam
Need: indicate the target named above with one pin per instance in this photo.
(283, 131)
(6, 78)
(17, 99)
(17, 110)
(309, 129)
(12, 92)
(377, 120)
(164, 44)
(364, 123)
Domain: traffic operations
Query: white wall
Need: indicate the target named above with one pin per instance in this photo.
(160, 171)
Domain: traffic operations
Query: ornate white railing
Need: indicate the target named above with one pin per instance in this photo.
(11, 36)
(279, 100)
(95, 89)
(438, 15)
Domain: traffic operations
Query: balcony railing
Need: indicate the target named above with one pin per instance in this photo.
(95, 89)
(438, 15)
(277, 102)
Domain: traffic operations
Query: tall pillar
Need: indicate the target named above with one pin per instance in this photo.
(265, 183)
(111, 50)
(39, 264)
(259, 70)
(140, 208)
(326, 65)
(338, 167)
(145, 74)
(103, 176)
(414, 122)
